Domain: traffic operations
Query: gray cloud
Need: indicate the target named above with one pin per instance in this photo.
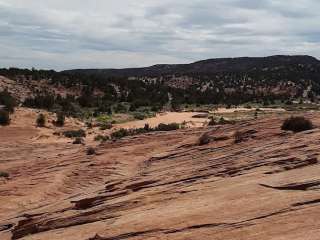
(72, 34)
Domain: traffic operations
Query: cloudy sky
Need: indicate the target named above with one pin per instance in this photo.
(64, 34)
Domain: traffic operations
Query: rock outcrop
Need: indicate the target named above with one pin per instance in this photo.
(166, 186)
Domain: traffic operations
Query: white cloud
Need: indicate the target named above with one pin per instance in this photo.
(125, 33)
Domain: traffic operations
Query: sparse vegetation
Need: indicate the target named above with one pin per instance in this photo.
(78, 140)
(101, 138)
(212, 122)
(204, 139)
(105, 126)
(167, 127)
(221, 121)
(4, 174)
(4, 117)
(124, 94)
(239, 137)
(139, 115)
(201, 115)
(91, 151)
(7, 101)
(41, 120)
(121, 133)
(74, 133)
(297, 124)
(60, 120)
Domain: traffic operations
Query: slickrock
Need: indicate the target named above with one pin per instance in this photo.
(164, 185)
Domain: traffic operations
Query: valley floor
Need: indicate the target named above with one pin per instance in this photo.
(162, 185)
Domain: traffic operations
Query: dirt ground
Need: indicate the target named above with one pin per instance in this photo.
(167, 117)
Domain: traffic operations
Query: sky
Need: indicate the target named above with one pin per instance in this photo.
(67, 34)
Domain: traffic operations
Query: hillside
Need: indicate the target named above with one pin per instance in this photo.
(161, 185)
(210, 66)
(214, 81)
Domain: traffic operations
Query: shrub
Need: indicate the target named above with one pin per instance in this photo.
(167, 127)
(74, 133)
(221, 121)
(143, 114)
(60, 120)
(8, 101)
(212, 122)
(105, 126)
(201, 115)
(101, 138)
(78, 140)
(241, 136)
(89, 125)
(41, 120)
(238, 137)
(4, 174)
(121, 133)
(155, 108)
(4, 117)
(204, 139)
(120, 108)
(91, 151)
(297, 124)
(140, 115)
(147, 127)
(224, 121)
(133, 107)
(288, 102)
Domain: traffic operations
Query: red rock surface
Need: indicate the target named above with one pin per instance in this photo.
(163, 185)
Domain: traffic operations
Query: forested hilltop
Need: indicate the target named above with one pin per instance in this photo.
(230, 81)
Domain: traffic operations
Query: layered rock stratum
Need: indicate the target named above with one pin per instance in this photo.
(163, 185)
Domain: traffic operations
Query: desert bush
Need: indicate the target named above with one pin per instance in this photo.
(147, 127)
(201, 115)
(121, 108)
(78, 140)
(212, 122)
(238, 137)
(224, 121)
(140, 115)
(4, 117)
(89, 124)
(74, 133)
(60, 120)
(91, 151)
(221, 121)
(121, 133)
(8, 101)
(204, 139)
(101, 138)
(41, 120)
(297, 124)
(4, 174)
(105, 126)
(167, 127)
(143, 114)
